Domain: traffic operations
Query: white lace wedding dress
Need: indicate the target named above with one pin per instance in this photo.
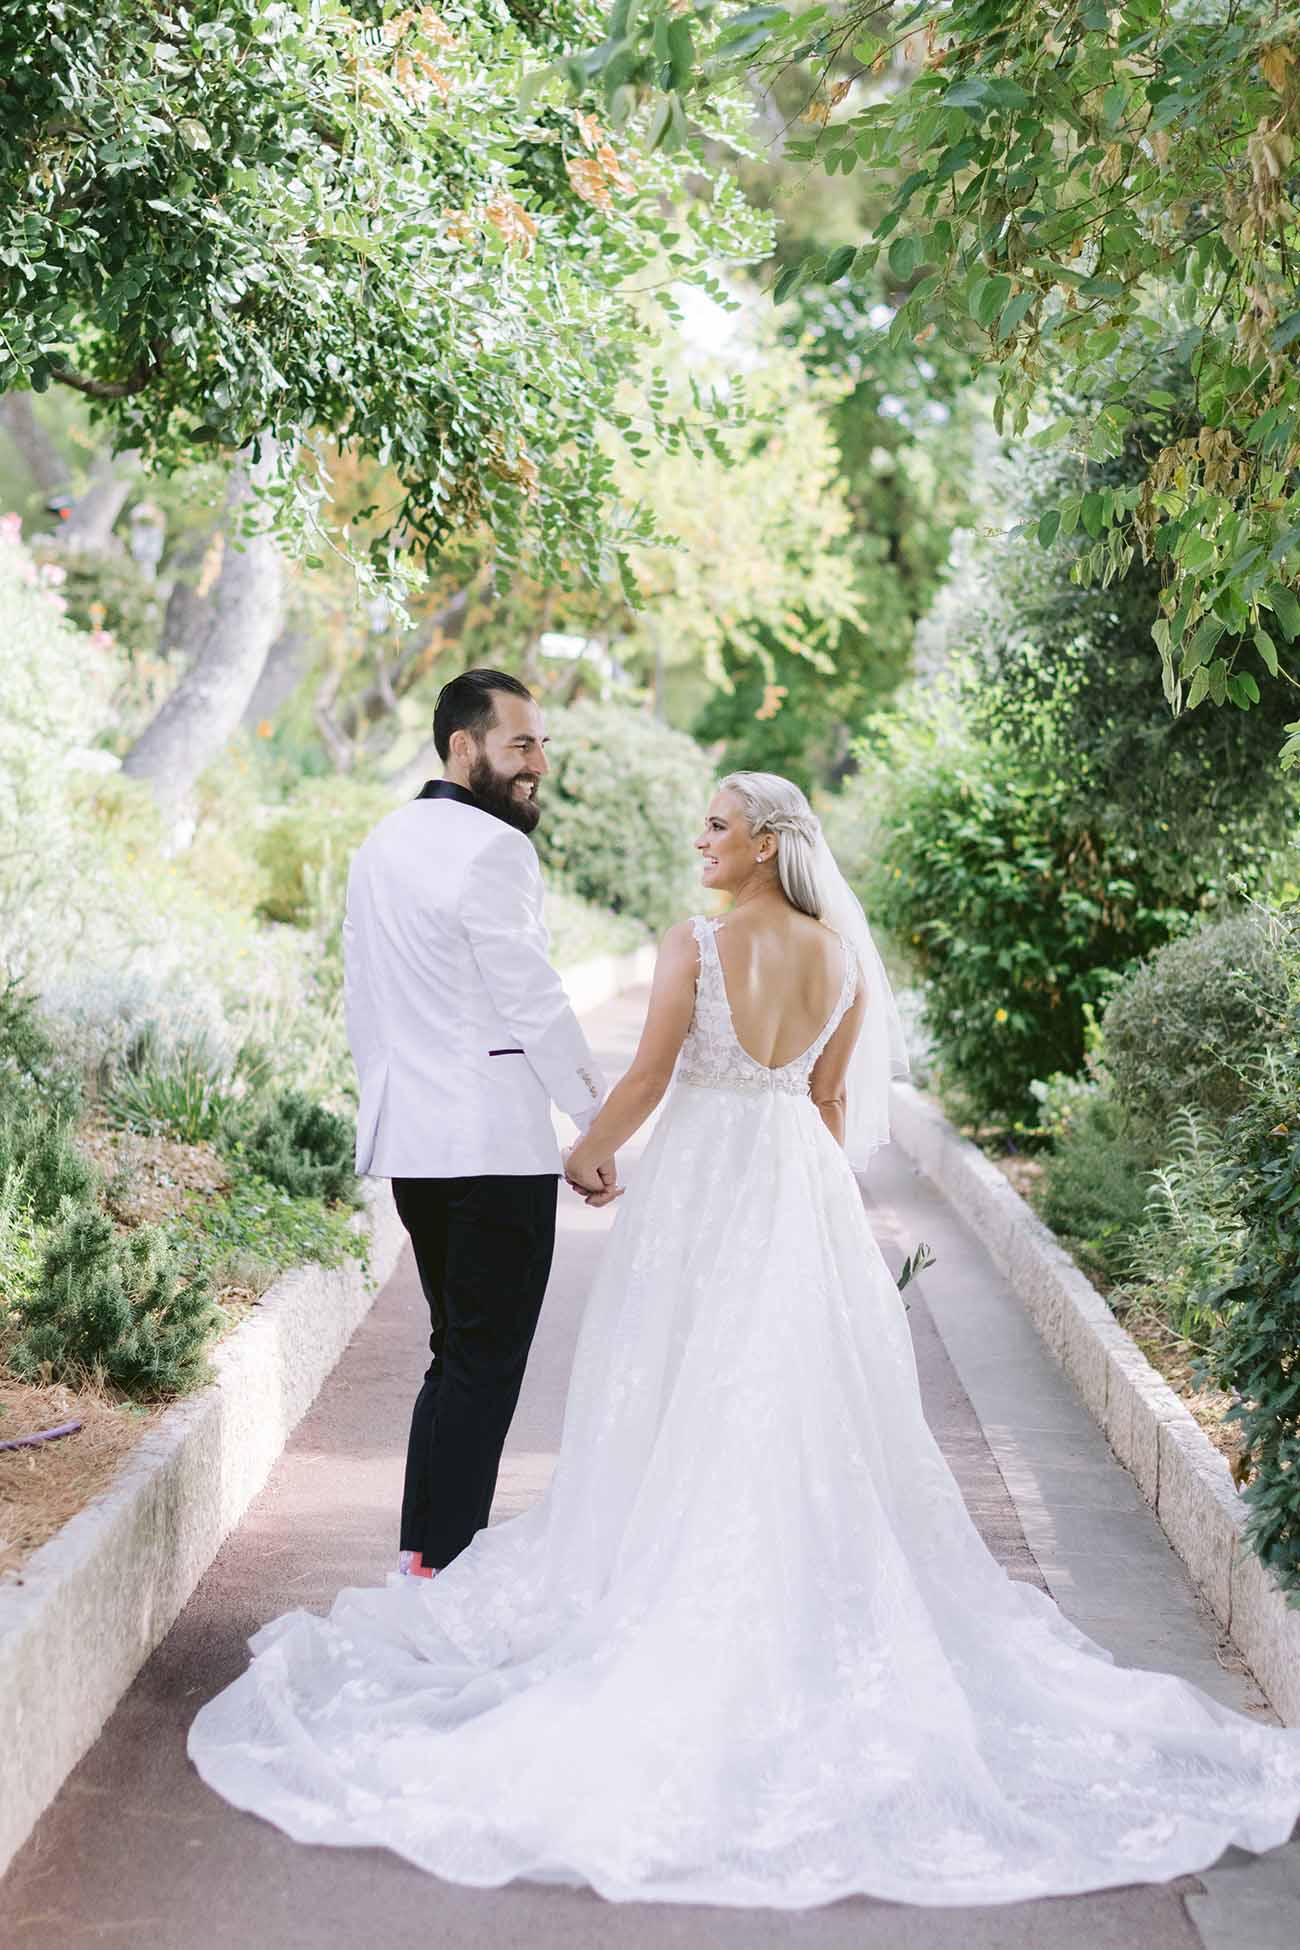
(749, 1649)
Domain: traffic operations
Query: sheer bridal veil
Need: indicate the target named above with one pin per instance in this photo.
(880, 1053)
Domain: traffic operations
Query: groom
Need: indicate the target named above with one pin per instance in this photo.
(463, 1037)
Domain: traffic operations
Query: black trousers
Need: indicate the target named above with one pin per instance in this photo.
(483, 1247)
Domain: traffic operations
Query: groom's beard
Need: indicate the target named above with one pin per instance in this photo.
(497, 795)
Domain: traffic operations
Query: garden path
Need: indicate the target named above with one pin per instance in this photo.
(136, 1852)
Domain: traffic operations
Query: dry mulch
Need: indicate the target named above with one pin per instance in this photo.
(148, 1178)
(41, 1488)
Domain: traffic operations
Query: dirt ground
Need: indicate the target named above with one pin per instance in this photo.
(41, 1488)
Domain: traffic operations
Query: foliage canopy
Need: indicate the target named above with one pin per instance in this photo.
(1071, 183)
(242, 216)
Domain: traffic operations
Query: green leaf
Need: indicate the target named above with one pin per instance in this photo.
(1284, 606)
(1203, 640)
(839, 262)
(987, 298)
(1014, 310)
(1048, 525)
(1198, 688)
(1267, 650)
(971, 92)
(904, 256)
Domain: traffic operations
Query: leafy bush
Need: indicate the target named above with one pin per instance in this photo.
(31, 1066)
(107, 592)
(1018, 917)
(186, 1091)
(1255, 1347)
(579, 929)
(305, 850)
(39, 1152)
(1188, 1239)
(304, 1148)
(19, 1257)
(253, 1232)
(623, 802)
(1183, 1027)
(1094, 1185)
(113, 1306)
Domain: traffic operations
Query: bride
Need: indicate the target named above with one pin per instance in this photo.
(749, 1648)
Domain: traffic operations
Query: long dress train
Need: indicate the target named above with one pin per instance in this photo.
(749, 1648)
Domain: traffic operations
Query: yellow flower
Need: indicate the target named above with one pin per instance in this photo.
(999, 1015)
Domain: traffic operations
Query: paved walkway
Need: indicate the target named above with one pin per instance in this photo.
(136, 1852)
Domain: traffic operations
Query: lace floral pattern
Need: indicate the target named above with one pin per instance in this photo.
(749, 1648)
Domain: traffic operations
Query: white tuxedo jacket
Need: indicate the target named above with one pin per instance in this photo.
(460, 1028)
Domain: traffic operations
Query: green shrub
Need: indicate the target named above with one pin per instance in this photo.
(114, 1306)
(255, 1231)
(107, 592)
(1189, 1238)
(302, 1147)
(1094, 1186)
(184, 1091)
(30, 1064)
(1018, 918)
(40, 1153)
(624, 800)
(305, 850)
(1255, 1347)
(1183, 1027)
(579, 929)
(19, 1252)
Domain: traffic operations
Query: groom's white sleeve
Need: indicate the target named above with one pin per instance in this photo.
(501, 910)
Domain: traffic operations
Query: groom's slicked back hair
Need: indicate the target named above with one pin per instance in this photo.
(465, 704)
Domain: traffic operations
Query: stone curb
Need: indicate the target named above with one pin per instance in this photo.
(88, 1608)
(1151, 1431)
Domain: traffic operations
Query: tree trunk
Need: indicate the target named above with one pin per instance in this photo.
(286, 666)
(186, 617)
(89, 522)
(40, 456)
(204, 710)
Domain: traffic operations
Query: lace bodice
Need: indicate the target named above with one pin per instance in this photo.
(712, 1053)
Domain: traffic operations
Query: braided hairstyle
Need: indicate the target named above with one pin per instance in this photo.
(774, 805)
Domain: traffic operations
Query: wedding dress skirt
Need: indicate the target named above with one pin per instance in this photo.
(749, 1648)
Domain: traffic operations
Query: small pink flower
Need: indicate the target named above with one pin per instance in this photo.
(53, 574)
(11, 528)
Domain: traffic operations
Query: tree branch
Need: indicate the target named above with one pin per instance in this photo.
(143, 376)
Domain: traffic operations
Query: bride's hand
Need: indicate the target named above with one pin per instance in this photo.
(597, 1183)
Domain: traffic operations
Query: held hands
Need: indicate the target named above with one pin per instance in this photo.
(596, 1183)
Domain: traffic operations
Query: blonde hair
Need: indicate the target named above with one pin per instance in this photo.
(772, 804)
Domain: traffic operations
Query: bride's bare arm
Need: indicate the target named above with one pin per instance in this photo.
(635, 1095)
(827, 1082)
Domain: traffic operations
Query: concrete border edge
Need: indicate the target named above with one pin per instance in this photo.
(87, 1609)
(1152, 1432)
